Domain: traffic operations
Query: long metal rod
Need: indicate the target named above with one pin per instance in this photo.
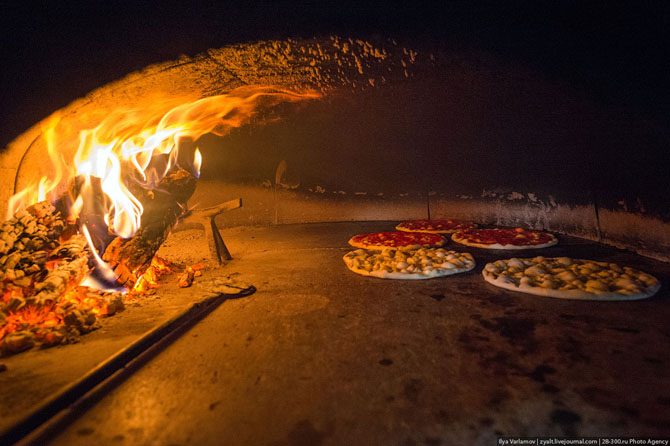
(60, 410)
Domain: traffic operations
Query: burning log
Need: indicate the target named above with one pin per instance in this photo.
(129, 258)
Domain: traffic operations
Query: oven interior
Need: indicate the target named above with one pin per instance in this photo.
(397, 133)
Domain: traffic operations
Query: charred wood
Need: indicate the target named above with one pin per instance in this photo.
(129, 258)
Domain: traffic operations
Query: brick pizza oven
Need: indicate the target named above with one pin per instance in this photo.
(320, 356)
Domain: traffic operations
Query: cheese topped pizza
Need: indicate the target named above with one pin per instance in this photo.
(423, 263)
(443, 226)
(504, 238)
(567, 278)
(396, 239)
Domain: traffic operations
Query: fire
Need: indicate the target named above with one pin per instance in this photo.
(55, 278)
(197, 162)
(47, 187)
(149, 279)
(131, 150)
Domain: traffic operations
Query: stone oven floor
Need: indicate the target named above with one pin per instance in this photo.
(319, 355)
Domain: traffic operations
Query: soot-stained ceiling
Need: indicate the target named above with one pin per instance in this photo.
(53, 53)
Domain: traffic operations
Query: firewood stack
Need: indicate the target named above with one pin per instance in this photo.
(42, 262)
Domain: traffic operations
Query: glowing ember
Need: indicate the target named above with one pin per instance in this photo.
(149, 280)
(43, 262)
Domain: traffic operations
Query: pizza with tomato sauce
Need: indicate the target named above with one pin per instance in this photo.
(442, 226)
(397, 239)
(504, 238)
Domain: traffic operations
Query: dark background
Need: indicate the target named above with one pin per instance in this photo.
(53, 52)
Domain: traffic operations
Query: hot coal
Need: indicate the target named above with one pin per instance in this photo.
(41, 267)
(186, 279)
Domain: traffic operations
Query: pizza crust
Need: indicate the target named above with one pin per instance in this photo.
(428, 231)
(393, 263)
(402, 227)
(371, 247)
(353, 241)
(466, 242)
(408, 276)
(491, 273)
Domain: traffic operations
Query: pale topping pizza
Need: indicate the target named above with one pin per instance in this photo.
(440, 226)
(567, 278)
(423, 263)
(397, 239)
(504, 238)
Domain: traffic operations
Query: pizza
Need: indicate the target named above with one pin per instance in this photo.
(566, 278)
(396, 239)
(504, 238)
(422, 263)
(444, 226)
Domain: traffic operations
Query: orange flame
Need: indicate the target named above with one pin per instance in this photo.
(124, 144)
(47, 187)
(197, 162)
(137, 147)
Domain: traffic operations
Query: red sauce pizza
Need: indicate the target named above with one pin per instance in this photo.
(443, 226)
(397, 240)
(504, 238)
